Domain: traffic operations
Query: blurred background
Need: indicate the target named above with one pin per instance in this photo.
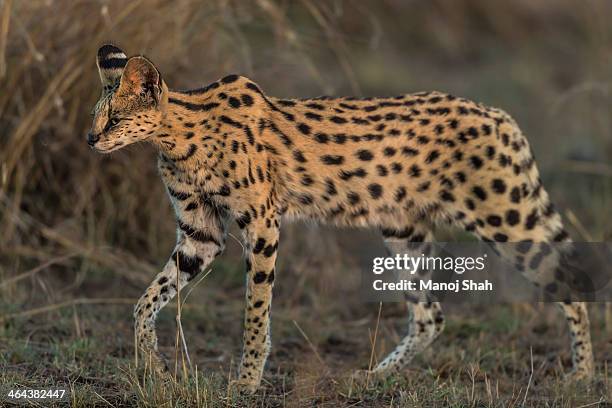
(81, 235)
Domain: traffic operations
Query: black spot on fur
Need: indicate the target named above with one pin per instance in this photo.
(188, 264)
(532, 220)
(338, 119)
(460, 177)
(234, 102)
(306, 199)
(299, 156)
(322, 138)
(499, 186)
(476, 161)
(353, 197)
(259, 277)
(414, 171)
(423, 186)
(229, 79)
(313, 116)
(447, 196)
(334, 160)
(230, 122)
(330, 187)
(494, 220)
(400, 194)
(513, 217)
(247, 100)
(389, 151)
(479, 192)
(432, 156)
(259, 245)
(364, 155)
(515, 195)
(304, 128)
(375, 190)
(409, 151)
(499, 237)
(270, 250)
(315, 106)
(307, 180)
(180, 196)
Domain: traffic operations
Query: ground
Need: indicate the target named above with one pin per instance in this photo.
(506, 355)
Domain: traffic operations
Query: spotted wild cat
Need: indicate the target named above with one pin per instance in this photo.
(400, 164)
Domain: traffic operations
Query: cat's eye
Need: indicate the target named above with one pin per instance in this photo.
(112, 122)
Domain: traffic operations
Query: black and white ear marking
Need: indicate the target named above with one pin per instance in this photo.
(110, 61)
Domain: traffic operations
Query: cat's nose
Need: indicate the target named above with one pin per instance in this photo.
(92, 139)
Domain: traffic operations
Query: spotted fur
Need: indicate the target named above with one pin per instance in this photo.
(400, 164)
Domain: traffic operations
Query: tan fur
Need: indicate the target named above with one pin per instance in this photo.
(401, 164)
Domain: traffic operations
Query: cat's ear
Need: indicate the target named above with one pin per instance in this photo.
(111, 62)
(140, 77)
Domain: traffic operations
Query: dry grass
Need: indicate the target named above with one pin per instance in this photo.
(77, 240)
(469, 365)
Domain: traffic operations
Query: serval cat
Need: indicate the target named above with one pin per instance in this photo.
(400, 164)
